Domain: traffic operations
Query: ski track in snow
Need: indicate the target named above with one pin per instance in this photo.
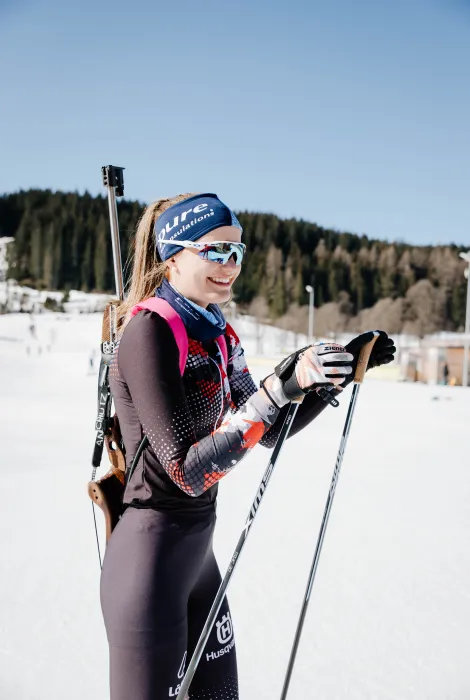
(389, 616)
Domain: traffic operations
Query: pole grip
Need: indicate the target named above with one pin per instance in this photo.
(363, 360)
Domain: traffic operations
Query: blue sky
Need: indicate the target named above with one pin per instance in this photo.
(354, 115)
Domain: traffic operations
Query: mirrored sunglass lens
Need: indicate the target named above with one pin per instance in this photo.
(218, 256)
(222, 252)
(210, 252)
(236, 250)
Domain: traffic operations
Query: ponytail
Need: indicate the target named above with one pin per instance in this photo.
(148, 270)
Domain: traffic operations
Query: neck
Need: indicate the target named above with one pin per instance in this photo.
(201, 323)
(189, 296)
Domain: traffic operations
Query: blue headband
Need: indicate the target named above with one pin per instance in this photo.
(189, 220)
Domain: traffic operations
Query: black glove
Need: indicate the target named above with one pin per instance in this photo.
(382, 353)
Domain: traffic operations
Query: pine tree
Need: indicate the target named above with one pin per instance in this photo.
(62, 241)
(48, 267)
(99, 259)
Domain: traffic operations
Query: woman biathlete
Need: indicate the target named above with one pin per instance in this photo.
(159, 574)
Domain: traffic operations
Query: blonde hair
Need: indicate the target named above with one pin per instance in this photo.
(148, 269)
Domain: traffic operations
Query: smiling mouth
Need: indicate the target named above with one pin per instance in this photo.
(221, 281)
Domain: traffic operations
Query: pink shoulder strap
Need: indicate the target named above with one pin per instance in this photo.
(222, 343)
(166, 311)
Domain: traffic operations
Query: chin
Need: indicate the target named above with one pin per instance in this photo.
(218, 296)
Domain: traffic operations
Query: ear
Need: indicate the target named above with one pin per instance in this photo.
(170, 266)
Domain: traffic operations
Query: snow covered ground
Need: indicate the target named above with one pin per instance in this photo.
(389, 617)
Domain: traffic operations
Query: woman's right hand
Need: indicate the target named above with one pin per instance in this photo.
(318, 365)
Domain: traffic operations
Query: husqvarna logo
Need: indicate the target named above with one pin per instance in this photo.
(224, 637)
(224, 629)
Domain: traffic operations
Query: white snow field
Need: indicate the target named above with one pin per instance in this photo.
(389, 617)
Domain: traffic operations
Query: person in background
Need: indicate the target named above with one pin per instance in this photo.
(445, 373)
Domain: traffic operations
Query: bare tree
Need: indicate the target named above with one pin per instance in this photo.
(329, 319)
(386, 314)
(260, 310)
(422, 309)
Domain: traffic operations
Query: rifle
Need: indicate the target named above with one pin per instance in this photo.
(107, 492)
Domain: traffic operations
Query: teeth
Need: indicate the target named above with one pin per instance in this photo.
(222, 280)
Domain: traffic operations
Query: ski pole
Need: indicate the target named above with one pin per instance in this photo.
(218, 600)
(361, 368)
(113, 180)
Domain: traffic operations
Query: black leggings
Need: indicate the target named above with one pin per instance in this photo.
(158, 582)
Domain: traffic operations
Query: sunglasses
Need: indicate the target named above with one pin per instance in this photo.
(215, 251)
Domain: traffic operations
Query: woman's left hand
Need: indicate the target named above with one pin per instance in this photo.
(382, 353)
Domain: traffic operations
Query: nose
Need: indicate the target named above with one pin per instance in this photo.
(231, 261)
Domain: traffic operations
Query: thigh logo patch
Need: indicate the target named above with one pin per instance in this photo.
(224, 629)
(224, 637)
(181, 668)
(173, 692)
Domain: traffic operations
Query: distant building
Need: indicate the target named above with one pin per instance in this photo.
(426, 360)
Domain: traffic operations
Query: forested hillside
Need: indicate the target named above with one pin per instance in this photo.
(62, 242)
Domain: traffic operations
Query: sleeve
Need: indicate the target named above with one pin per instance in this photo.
(148, 363)
(242, 387)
